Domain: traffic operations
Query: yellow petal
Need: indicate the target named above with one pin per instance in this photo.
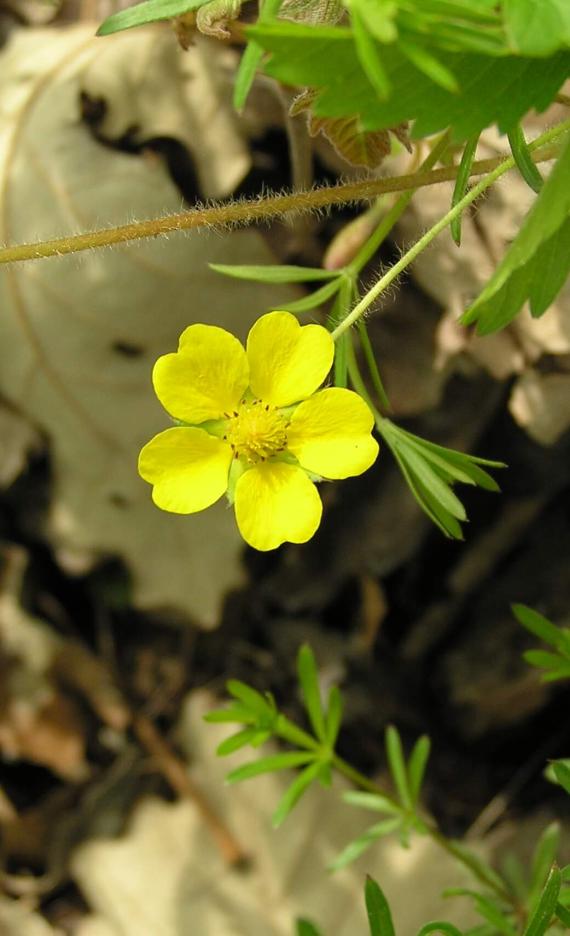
(287, 361)
(188, 468)
(330, 434)
(206, 377)
(276, 503)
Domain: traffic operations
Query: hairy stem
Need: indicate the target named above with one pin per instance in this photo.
(250, 210)
(385, 281)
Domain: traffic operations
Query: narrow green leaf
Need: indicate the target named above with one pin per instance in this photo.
(536, 264)
(492, 912)
(543, 659)
(306, 928)
(252, 57)
(271, 764)
(428, 477)
(250, 698)
(148, 12)
(417, 765)
(544, 857)
(373, 801)
(446, 523)
(356, 848)
(461, 183)
(397, 766)
(309, 682)
(233, 713)
(378, 909)
(314, 299)
(278, 273)
(369, 56)
(333, 716)
(289, 731)
(546, 908)
(562, 774)
(446, 929)
(484, 870)
(524, 160)
(563, 914)
(293, 794)
(429, 65)
(340, 373)
(541, 627)
(237, 741)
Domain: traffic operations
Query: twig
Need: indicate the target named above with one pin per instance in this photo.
(175, 771)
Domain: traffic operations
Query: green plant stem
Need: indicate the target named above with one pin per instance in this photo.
(368, 249)
(388, 278)
(448, 845)
(243, 212)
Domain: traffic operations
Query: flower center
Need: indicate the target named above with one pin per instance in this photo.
(256, 431)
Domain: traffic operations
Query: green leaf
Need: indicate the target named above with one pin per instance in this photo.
(397, 766)
(461, 183)
(417, 765)
(250, 698)
(537, 263)
(289, 731)
(147, 12)
(233, 713)
(270, 273)
(309, 682)
(543, 658)
(374, 801)
(488, 908)
(251, 57)
(369, 56)
(499, 89)
(271, 764)
(563, 914)
(446, 929)
(430, 66)
(355, 849)
(541, 627)
(544, 857)
(562, 774)
(293, 794)
(545, 910)
(306, 928)
(314, 299)
(379, 916)
(333, 716)
(237, 741)
(431, 480)
(523, 159)
(537, 27)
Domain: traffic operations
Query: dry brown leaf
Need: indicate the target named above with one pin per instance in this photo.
(79, 335)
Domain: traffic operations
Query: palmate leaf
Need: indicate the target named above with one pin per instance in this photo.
(492, 89)
(537, 263)
(537, 624)
(147, 12)
(537, 27)
(431, 470)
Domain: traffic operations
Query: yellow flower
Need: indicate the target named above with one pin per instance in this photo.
(253, 424)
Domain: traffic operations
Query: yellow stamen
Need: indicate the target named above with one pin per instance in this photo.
(256, 431)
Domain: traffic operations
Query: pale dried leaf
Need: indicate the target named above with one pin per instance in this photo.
(540, 403)
(79, 335)
(16, 919)
(18, 439)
